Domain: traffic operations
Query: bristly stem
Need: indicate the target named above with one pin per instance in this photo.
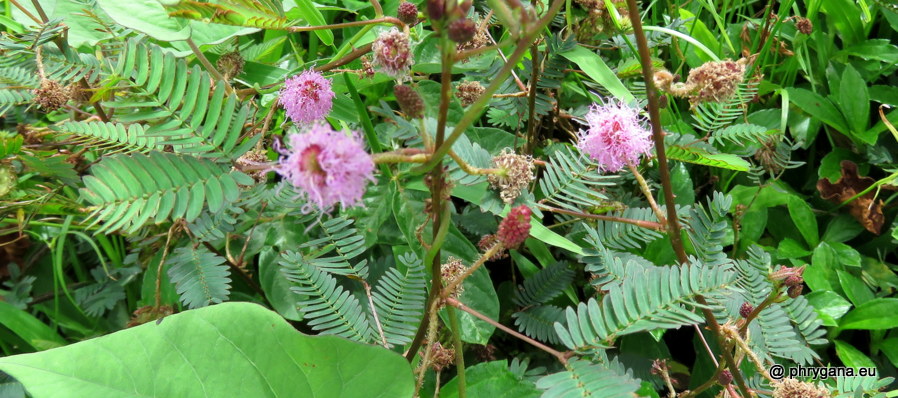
(639, 223)
(647, 192)
(447, 49)
(664, 174)
(459, 351)
(208, 65)
(559, 355)
(531, 100)
(390, 20)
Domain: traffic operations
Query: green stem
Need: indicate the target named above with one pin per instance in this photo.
(459, 351)
(664, 174)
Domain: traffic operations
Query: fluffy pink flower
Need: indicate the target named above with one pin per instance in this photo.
(307, 97)
(616, 136)
(327, 166)
(393, 53)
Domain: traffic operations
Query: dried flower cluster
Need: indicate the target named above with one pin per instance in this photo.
(307, 97)
(393, 53)
(327, 166)
(615, 136)
(715, 81)
(451, 271)
(792, 388)
(481, 38)
(51, 95)
(517, 173)
(469, 92)
(515, 227)
(441, 357)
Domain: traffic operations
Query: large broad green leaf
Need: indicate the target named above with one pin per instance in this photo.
(146, 16)
(818, 107)
(594, 67)
(854, 101)
(226, 350)
(877, 314)
(492, 379)
(151, 18)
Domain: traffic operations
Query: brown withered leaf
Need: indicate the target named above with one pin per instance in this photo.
(865, 209)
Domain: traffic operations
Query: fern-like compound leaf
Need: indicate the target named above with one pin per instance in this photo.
(539, 322)
(201, 277)
(584, 379)
(128, 191)
(657, 298)
(327, 306)
(572, 182)
(399, 300)
(545, 285)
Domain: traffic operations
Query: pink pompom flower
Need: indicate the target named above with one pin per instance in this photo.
(307, 97)
(327, 167)
(393, 53)
(615, 137)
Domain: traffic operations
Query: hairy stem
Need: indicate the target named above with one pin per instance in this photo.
(639, 223)
(390, 20)
(644, 187)
(672, 219)
(459, 352)
(559, 355)
(531, 100)
(171, 231)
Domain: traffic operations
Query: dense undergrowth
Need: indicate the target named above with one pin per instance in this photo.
(448, 198)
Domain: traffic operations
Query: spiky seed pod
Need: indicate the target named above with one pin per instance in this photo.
(441, 357)
(768, 156)
(746, 309)
(409, 101)
(231, 64)
(793, 388)
(51, 95)
(518, 173)
(515, 228)
(804, 25)
(795, 291)
(715, 81)
(469, 92)
(462, 30)
(407, 13)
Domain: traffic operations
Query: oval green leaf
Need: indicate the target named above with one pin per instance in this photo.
(226, 350)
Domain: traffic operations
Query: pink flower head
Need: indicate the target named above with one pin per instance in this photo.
(393, 53)
(327, 166)
(307, 97)
(616, 136)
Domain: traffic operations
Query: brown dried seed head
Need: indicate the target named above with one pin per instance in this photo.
(469, 92)
(51, 95)
(792, 388)
(441, 357)
(715, 81)
(231, 64)
(518, 173)
(804, 25)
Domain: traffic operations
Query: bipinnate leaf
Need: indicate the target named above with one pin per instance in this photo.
(226, 350)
